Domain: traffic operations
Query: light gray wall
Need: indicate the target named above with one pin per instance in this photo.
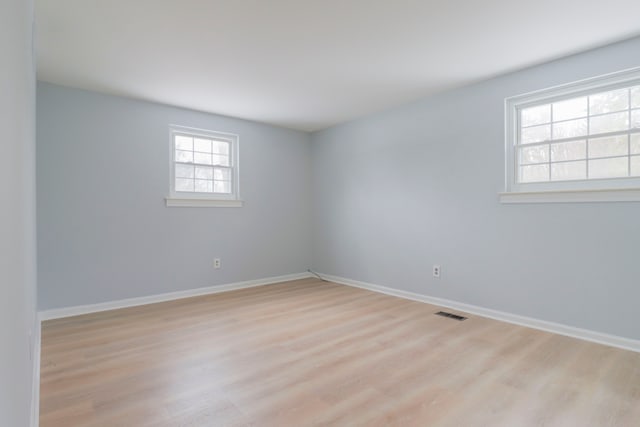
(17, 215)
(399, 191)
(103, 231)
(393, 194)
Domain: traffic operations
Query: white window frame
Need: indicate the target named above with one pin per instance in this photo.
(196, 199)
(626, 189)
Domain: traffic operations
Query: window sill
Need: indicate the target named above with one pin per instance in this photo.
(572, 196)
(182, 202)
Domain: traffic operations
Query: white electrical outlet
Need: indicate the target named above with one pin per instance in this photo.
(216, 263)
(436, 271)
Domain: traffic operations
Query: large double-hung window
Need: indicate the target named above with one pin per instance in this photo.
(580, 137)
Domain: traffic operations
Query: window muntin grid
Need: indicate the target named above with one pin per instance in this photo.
(202, 164)
(587, 137)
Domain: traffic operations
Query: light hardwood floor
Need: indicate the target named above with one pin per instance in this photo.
(308, 353)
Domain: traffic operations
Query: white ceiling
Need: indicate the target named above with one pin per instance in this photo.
(309, 64)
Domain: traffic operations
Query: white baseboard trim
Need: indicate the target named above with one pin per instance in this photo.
(59, 313)
(35, 384)
(556, 328)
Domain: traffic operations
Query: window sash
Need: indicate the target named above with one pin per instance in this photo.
(628, 79)
(216, 189)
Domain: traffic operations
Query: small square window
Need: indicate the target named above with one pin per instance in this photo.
(204, 166)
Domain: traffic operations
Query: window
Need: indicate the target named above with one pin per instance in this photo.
(580, 137)
(204, 168)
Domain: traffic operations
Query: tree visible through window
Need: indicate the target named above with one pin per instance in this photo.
(572, 136)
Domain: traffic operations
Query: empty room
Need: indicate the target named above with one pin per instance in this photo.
(320, 213)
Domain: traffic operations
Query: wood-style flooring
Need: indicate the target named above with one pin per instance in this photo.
(307, 353)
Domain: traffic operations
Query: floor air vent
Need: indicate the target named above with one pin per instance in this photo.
(450, 315)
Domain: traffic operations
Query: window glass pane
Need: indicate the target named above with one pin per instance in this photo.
(204, 159)
(594, 134)
(569, 170)
(203, 186)
(204, 172)
(202, 145)
(222, 187)
(608, 168)
(570, 129)
(536, 154)
(220, 159)
(635, 165)
(203, 163)
(535, 173)
(221, 147)
(184, 143)
(183, 184)
(635, 119)
(568, 151)
(535, 134)
(607, 102)
(570, 109)
(535, 115)
(184, 156)
(184, 171)
(220, 174)
(608, 147)
(609, 123)
(635, 144)
(635, 97)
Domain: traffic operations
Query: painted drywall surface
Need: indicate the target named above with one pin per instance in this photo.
(399, 191)
(17, 216)
(104, 232)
